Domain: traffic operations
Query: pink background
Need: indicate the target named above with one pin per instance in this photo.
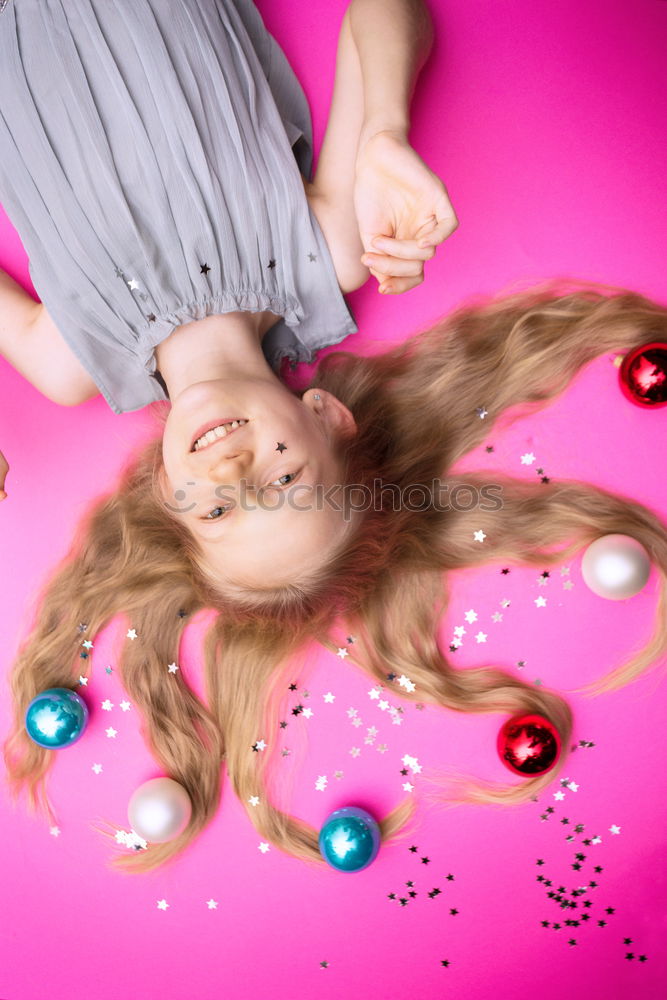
(546, 122)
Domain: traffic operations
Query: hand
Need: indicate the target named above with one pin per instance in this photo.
(403, 210)
(4, 469)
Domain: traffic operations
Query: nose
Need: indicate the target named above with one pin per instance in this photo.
(233, 466)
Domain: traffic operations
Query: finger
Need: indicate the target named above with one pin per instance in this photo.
(395, 286)
(4, 469)
(444, 227)
(392, 265)
(407, 249)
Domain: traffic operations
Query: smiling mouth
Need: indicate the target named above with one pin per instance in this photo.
(217, 433)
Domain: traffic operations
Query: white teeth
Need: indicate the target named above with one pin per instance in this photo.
(217, 432)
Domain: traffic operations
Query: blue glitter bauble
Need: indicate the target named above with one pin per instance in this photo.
(349, 839)
(56, 718)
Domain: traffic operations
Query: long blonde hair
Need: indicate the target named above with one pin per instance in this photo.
(388, 585)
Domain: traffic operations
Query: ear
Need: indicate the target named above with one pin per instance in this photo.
(335, 416)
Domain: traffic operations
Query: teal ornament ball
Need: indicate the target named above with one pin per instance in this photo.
(349, 839)
(56, 718)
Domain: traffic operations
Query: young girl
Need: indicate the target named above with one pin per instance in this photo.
(282, 573)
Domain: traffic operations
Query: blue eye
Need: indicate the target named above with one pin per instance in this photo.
(281, 481)
(207, 517)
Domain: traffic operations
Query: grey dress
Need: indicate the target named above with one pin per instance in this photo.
(150, 159)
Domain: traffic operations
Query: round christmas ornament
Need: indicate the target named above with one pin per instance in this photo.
(529, 744)
(159, 810)
(615, 567)
(349, 839)
(643, 375)
(56, 718)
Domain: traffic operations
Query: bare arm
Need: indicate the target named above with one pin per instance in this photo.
(17, 310)
(393, 39)
(33, 345)
(381, 48)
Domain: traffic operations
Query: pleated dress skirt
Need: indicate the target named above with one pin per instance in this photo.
(151, 154)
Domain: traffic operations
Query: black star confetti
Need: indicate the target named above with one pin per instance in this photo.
(271, 264)
(204, 269)
(281, 447)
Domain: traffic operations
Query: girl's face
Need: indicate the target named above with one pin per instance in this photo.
(262, 501)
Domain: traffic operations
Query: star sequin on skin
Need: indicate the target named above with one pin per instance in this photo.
(479, 536)
(281, 447)
(131, 634)
(342, 652)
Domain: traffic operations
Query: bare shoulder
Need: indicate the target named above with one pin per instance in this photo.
(62, 377)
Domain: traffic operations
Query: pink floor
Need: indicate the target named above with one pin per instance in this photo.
(546, 122)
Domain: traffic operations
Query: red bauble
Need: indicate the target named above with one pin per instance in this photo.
(529, 744)
(643, 375)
